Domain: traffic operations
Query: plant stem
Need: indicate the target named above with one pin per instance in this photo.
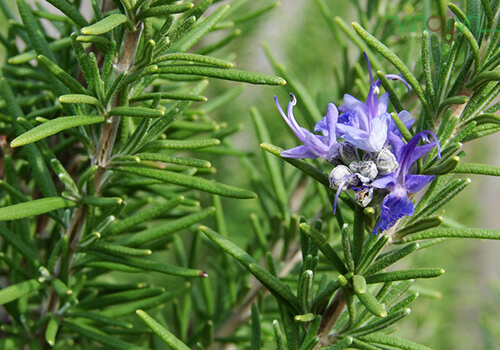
(110, 128)
(330, 317)
(101, 158)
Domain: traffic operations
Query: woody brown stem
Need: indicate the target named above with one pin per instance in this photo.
(101, 159)
(330, 317)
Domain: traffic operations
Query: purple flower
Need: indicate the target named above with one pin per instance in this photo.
(367, 125)
(324, 146)
(399, 183)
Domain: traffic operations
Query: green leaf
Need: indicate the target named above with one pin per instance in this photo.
(398, 343)
(52, 328)
(395, 60)
(166, 158)
(120, 250)
(23, 247)
(164, 11)
(34, 207)
(475, 168)
(442, 197)
(18, 290)
(143, 216)
(405, 302)
(56, 45)
(76, 98)
(138, 112)
(380, 323)
(162, 332)
(160, 231)
(177, 109)
(54, 126)
(324, 295)
(190, 181)
(401, 126)
(35, 34)
(272, 163)
(426, 65)
(320, 241)
(486, 118)
(418, 226)
(310, 340)
(153, 302)
(69, 10)
(477, 233)
(71, 83)
(120, 298)
(341, 344)
(193, 57)
(369, 257)
(105, 25)
(405, 275)
(305, 290)
(446, 166)
(102, 201)
(390, 258)
(169, 96)
(366, 298)
(278, 335)
(483, 78)
(99, 336)
(472, 41)
(97, 317)
(227, 74)
(149, 265)
(394, 99)
(198, 31)
(256, 328)
(274, 285)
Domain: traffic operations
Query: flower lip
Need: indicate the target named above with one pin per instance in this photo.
(367, 125)
(410, 154)
(324, 146)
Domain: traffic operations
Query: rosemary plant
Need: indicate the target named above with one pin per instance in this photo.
(114, 233)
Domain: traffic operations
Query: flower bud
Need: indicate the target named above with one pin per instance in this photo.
(386, 162)
(369, 156)
(368, 169)
(336, 160)
(348, 153)
(342, 176)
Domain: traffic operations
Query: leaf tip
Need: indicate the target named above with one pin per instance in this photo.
(16, 143)
(203, 274)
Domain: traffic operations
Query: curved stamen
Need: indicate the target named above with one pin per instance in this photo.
(290, 119)
(369, 67)
(347, 178)
(396, 77)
